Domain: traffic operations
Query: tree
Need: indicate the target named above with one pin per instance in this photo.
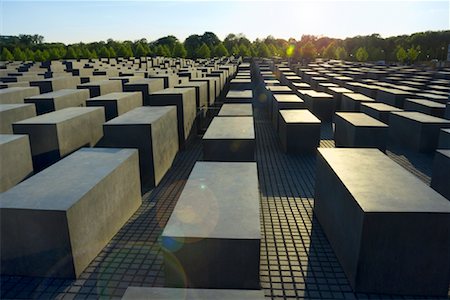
(124, 50)
(38, 56)
(192, 43)
(244, 51)
(179, 50)
(203, 51)
(210, 39)
(220, 50)
(361, 54)
(401, 54)
(18, 54)
(70, 54)
(308, 50)
(29, 54)
(104, 52)
(235, 50)
(263, 50)
(6, 55)
(139, 51)
(413, 53)
(45, 55)
(341, 53)
(54, 54)
(330, 51)
(162, 51)
(112, 52)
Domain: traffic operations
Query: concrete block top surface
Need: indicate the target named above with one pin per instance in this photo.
(279, 88)
(318, 95)
(246, 94)
(6, 107)
(378, 184)
(176, 91)
(230, 128)
(219, 200)
(115, 96)
(360, 119)
(359, 97)
(287, 98)
(394, 91)
(61, 185)
(340, 90)
(421, 117)
(231, 109)
(18, 89)
(142, 115)
(298, 116)
(151, 293)
(445, 152)
(427, 103)
(240, 80)
(60, 93)
(381, 106)
(59, 115)
(6, 138)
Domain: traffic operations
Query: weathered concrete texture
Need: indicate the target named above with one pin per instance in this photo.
(15, 160)
(353, 101)
(358, 130)
(441, 173)
(447, 110)
(444, 139)
(389, 230)
(184, 100)
(284, 101)
(151, 130)
(239, 96)
(299, 131)
(10, 113)
(16, 95)
(415, 130)
(153, 293)
(201, 92)
(116, 104)
(146, 87)
(60, 99)
(394, 97)
(169, 80)
(425, 106)
(379, 111)
(207, 242)
(212, 87)
(56, 222)
(103, 87)
(322, 105)
(53, 135)
(55, 84)
(236, 110)
(337, 93)
(230, 139)
(241, 84)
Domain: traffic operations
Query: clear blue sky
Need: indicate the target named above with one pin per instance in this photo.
(75, 21)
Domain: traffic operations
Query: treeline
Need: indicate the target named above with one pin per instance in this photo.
(423, 46)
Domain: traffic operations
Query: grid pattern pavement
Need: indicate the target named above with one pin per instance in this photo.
(296, 259)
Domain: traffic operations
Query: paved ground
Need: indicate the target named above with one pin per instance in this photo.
(296, 258)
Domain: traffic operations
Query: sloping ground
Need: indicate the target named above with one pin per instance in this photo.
(296, 258)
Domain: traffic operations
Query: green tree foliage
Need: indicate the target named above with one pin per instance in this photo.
(29, 54)
(361, 54)
(330, 51)
(18, 54)
(6, 55)
(401, 54)
(112, 52)
(204, 51)
(104, 52)
(140, 51)
(413, 53)
(308, 51)
(341, 53)
(38, 56)
(70, 54)
(179, 50)
(244, 51)
(220, 50)
(263, 50)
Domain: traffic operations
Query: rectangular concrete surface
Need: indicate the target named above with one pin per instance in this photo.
(57, 100)
(57, 134)
(15, 160)
(284, 101)
(54, 84)
(379, 111)
(353, 101)
(201, 92)
(358, 130)
(184, 100)
(56, 222)
(388, 229)
(155, 293)
(212, 239)
(440, 178)
(239, 96)
(444, 139)
(322, 105)
(102, 87)
(229, 139)
(236, 110)
(116, 104)
(425, 106)
(10, 113)
(16, 95)
(299, 131)
(415, 130)
(151, 130)
(146, 86)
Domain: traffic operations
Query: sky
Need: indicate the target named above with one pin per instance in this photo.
(88, 21)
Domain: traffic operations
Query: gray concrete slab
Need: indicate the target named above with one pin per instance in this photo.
(201, 92)
(103, 87)
(16, 95)
(441, 172)
(425, 106)
(394, 97)
(146, 87)
(358, 130)
(353, 101)
(57, 134)
(10, 113)
(229, 139)
(116, 104)
(154, 293)
(57, 221)
(299, 131)
(184, 100)
(15, 160)
(379, 111)
(415, 130)
(213, 87)
(241, 84)
(284, 101)
(322, 105)
(388, 229)
(444, 139)
(236, 110)
(54, 84)
(151, 130)
(57, 100)
(239, 96)
(207, 242)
